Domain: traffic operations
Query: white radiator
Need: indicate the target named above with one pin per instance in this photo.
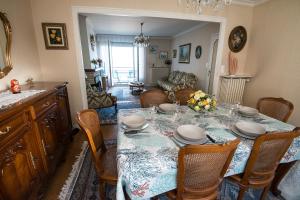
(232, 89)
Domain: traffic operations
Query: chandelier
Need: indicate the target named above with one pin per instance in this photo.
(197, 5)
(141, 40)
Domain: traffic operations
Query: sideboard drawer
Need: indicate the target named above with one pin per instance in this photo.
(44, 104)
(12, 123)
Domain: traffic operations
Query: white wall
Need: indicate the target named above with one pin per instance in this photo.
(200, 36)
(25, 58)
(86, 30)
(153, 60)
(273, 56)
(65, 65)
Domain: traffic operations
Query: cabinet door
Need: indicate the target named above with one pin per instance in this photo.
(48, 127)
(65, 123)
(19, 177)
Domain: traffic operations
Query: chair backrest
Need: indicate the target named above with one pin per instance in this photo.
(201, 169)
(154, 97)
(277, 108)
(184, 95)
(89, 124)
(267, 151)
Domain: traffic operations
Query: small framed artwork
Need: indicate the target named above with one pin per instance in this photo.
(198, 52)
(174, 53)
(184, 53)
(153, 49)
(55, 35)
(163, 55)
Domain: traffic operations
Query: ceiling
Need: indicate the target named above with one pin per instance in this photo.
(121, 25)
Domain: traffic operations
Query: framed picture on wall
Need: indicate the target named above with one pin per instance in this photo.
(55, 35)
(184, 53)
(163, 55)
(174, 53)
(153, 49)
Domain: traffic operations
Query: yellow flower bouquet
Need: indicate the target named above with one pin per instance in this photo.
(200, 101)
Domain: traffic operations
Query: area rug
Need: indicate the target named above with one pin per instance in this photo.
(83, 184)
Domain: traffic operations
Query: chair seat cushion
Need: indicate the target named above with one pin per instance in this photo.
(108, 162)
(166, 85)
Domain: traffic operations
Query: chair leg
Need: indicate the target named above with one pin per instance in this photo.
(265, 192)
(116, 107)
(102, 190)
(241, 193)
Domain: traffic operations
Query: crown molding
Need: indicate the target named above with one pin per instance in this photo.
(249, 2)
(190, 30)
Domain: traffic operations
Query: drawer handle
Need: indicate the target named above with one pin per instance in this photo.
(7, 129)
(46, 104)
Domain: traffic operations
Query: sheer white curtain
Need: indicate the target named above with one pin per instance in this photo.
(104, 43)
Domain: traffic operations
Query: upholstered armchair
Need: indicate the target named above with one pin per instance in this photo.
(97, 100)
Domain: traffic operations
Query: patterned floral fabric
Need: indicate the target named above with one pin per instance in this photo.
(147, 162)
(98, 99)
(178, 80)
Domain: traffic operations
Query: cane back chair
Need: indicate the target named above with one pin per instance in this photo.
(277, 108)
(201, 169)
(153, 97)
(267, 151)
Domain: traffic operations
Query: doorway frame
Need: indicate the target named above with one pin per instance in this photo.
(144, 13)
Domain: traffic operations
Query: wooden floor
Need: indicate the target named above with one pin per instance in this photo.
(74, 149)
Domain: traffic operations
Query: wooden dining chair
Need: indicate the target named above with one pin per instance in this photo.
(267, 151)
(183, 95)
(104, 158)
(201, 169)
(153, 97)
(277, 108)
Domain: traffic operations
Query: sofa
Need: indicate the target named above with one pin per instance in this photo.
(178, 80)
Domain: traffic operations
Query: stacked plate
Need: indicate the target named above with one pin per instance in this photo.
(167, 108)
(248, 111)
(134, 122)
(249, 130)
(190, 134)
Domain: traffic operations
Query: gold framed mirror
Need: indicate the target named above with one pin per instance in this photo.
(5, 46)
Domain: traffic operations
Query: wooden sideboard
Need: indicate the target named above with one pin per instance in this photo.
(33, 136)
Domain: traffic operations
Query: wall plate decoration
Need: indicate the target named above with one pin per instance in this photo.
(153, 49)
(198, 52)
(237, 39)
(174, 53)
(184, 53)
(55, 35)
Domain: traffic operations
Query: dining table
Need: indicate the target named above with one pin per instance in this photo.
(147, 160)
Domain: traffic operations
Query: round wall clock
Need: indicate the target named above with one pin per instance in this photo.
(198, 52)
(237, 39)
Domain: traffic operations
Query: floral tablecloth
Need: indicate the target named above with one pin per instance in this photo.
(147, 162)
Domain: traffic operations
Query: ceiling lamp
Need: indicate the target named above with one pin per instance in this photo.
(197, 5)
(141, 40)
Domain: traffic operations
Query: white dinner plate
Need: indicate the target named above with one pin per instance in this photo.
(236, 132)
(167, 107)
(126, 128)
(134, 121)
(183, 141)
(248, 111)
(250, 128)
(191, 132)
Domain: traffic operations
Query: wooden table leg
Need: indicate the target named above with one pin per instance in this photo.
(281, 171)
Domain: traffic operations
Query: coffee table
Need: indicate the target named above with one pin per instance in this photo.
(136, 87)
